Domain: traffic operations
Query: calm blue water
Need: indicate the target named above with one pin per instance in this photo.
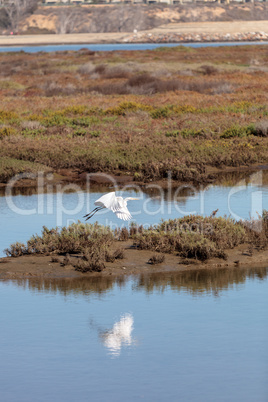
(119, 46)
(24, 215)
(158, 338)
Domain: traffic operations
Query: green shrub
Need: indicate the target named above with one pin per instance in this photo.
(80, 132)
(124, 107)
(94, 134)
(186, 133)
(237, 131)
(7, 132)
(4, 115)
(174, 133)
(161, 112)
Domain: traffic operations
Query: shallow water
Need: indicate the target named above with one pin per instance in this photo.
(118, 46)
(238, 196)
(198, 336)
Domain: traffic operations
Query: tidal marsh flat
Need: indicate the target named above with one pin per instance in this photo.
(141, 114)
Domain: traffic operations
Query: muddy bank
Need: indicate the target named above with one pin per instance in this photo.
(102, 182)
(135, 262)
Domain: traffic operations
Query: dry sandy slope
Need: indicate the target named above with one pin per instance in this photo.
(183, 28)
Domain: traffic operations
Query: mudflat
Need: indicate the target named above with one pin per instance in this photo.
(134, 262)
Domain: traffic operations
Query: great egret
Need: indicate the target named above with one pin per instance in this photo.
(116, 204)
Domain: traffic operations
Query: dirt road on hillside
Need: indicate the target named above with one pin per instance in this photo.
(180, 28)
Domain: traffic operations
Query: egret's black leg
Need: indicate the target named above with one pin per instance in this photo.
(94, 210)
(88, 216)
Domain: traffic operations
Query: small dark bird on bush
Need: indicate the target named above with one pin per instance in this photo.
(214, 213)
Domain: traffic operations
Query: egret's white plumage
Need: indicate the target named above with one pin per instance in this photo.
(118, 205)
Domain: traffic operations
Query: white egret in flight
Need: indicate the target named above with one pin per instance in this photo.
(116, 204)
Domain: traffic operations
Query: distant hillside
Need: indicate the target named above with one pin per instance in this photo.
(127, 18)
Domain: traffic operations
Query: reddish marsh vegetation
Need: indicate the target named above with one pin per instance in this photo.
(141, 113)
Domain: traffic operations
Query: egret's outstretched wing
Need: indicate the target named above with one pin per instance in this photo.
(108, 201)
(115, 204)
(123, 213)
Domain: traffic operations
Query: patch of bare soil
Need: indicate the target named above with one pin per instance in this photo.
(135, 262)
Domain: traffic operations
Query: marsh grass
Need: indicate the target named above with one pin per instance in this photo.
(137, 114)
(74, 239)
(9, 167)
(118, 254)
(146, 84)
(156, 259)
(192, 237)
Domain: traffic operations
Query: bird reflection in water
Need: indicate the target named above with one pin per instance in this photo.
(119, 336)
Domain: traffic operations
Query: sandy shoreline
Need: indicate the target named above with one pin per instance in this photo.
(191, 28)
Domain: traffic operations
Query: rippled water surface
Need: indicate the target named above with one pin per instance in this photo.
(198, 336)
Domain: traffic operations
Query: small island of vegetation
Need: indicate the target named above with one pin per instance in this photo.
(189, 241)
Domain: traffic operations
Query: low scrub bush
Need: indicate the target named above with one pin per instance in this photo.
(16, 250)
(191, 237)
(186, 244)
(54, 89)
(208, 70)
(90, 263)
(116, 255)
(106, 71)
(7, 132)
(9, 167)
(257, 231)
(31, 125)
(7, 115)
(87, 68)
(261, 128)
(125, 107)
(74, 239)
(238, 131)
(122, 234)
(224, 232)
(156, 259)
(146, 84)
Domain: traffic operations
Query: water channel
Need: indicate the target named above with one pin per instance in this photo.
(102, 47)
(197, 336)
